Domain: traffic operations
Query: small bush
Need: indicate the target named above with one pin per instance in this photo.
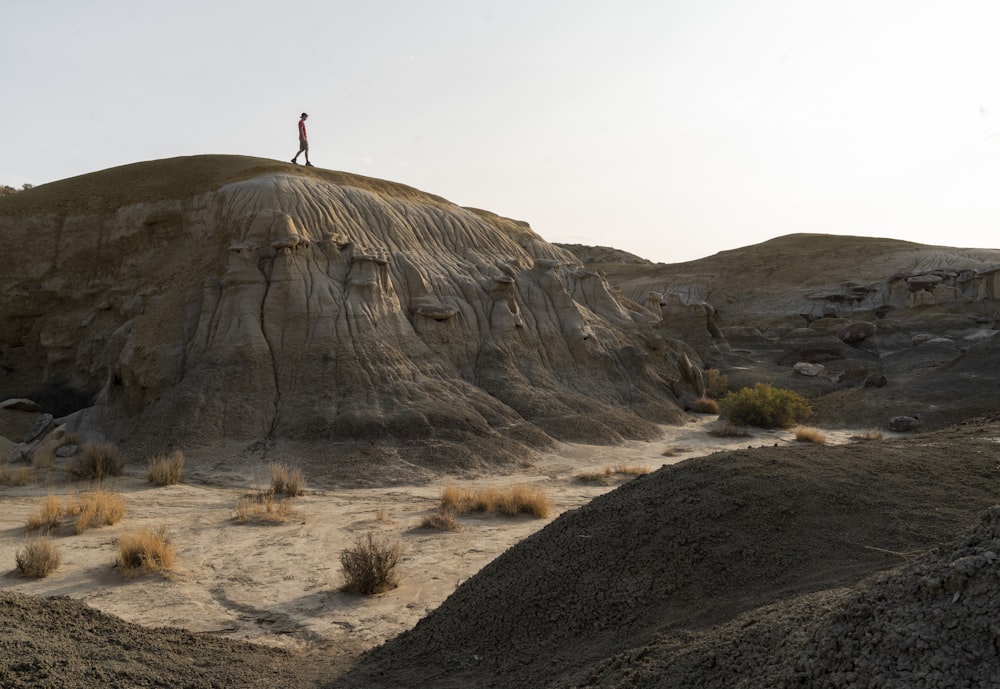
(810, 435)
(512, 501)
(96, 509)
(48, 516)
(766, 406)
(39, 558)
(145, 551)
(261, 506)
(97, 461)
(165, 469)
(608, 473)
(440, 520)
(870, 435)
(14, 477)
(716, 383)
(372, 565)
(706, 405)
(287, 480)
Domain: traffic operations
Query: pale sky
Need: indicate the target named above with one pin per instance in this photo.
(672, 129)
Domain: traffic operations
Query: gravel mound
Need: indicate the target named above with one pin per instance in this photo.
(689, 548)
(931, 623)
(60, 642)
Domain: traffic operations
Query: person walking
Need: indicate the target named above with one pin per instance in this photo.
(303, 141)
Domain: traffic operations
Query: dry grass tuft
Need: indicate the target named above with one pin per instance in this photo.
(14, 477)
(39, 558)
(871, 434)
(97, 509)
(520, 499)
(145, 551)
(372, 565)
(610, 473)
(706, 405)
(260, 506)
(674, 450)
(97, 461)
(810, 434)
(287, 480)
(440, 520)
(48, 516)
(165, 469)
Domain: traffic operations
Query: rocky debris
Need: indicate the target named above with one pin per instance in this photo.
(903, 424)
(856, 332)
(804, 368)
(875, 380)
(20, 404)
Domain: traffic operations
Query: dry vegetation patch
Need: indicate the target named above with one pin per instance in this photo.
(706, 405)
(519, 499)
(440, 520)
(810, 435)
(165, 469)
(97, 461)
(372, 565)
(20, 476)
(38, 558)
(260, 506)
(96, 509)
(48, 516)
(871, 434)
(144, 551)
(287, 480)
(611, 473)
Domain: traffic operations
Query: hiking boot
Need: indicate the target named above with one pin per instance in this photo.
(310, 165)
(294, 162)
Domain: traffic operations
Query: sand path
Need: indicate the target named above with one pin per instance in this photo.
(278, 584)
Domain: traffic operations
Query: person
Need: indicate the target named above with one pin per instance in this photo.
(303, 141)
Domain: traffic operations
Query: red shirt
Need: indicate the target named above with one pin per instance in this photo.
(302, 129)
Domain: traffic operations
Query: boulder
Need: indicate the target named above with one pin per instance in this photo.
(903, 424)
(856, 332)
(805, 368)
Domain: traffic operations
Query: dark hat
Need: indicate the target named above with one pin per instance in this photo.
(305, 114)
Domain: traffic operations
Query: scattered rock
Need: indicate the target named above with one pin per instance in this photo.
(804, 368)
(856, 332)
(903, 424)
(875, 380)
(39, 428)
(20, 404)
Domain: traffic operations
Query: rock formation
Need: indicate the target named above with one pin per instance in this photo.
(202, 300)
(898, 327)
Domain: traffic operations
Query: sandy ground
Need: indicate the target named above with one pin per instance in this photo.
(279, 584)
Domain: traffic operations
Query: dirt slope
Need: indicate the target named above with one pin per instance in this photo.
(691, 547)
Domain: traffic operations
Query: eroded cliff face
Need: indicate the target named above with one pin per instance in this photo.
(309, 308)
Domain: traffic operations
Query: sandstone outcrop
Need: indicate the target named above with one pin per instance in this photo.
(216, 299)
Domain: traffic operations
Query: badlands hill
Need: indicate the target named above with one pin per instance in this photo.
(252, 308)
(868, 328)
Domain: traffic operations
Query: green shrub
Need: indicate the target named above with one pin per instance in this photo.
(716, 383)
(765, 406)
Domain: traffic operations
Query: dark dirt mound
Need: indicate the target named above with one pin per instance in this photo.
(690, 547)
(931, 623)
(61, 642)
